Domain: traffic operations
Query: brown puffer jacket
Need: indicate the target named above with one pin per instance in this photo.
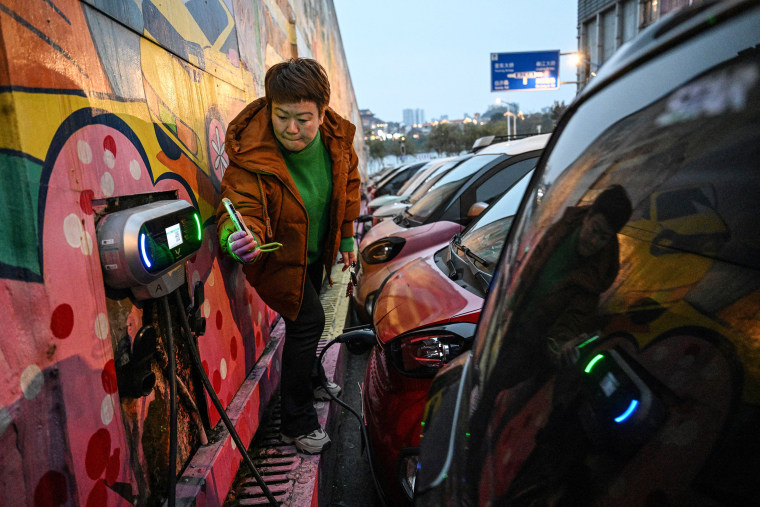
(279, 215)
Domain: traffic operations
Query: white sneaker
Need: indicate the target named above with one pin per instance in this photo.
(311, 443)
(321, 395)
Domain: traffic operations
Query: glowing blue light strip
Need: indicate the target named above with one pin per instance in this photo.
(625, 415)
(143, 252)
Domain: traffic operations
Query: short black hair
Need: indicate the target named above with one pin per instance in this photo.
(297, 80)
(615, 205)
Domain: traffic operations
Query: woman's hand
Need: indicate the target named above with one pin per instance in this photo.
(244, 245)
(348, 259)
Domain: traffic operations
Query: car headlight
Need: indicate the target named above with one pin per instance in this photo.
(422, 353)
(383, 250)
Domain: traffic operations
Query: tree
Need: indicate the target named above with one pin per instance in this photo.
(470, 133)
(377, 149)
(445, 139)
(558, 109)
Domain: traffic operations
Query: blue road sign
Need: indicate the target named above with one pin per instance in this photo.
(530, 70)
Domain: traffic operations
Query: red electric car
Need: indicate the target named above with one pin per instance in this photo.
(422, 318)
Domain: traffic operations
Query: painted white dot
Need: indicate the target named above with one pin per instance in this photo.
(234, 445)
(277, 365)
(84, 152)
(101, 326)
(259, 318)
(249, 309)
(107, 184)
(5, 420)
(211, 279)
(31, 381)
(211, 247)
(72, 231)
(106, 410)
(206, 308)
(109, 159)
(223, 368)
(86, 246)
(134, 169)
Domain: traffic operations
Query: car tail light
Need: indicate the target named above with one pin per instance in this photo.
(423, 353)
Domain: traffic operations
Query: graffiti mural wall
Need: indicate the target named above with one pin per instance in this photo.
(106, 102)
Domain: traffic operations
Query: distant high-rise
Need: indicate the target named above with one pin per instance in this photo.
(414, 116)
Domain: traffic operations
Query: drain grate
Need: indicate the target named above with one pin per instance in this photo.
(276, 462)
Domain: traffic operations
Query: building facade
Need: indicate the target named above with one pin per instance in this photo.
(605, 25)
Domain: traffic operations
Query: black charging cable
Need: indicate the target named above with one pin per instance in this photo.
(367, 339)
(196, 358)
(172, 497)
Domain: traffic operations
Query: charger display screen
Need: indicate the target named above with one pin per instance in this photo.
(165, 240)
(173, 236)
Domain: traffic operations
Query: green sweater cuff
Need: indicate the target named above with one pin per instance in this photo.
(347, 244)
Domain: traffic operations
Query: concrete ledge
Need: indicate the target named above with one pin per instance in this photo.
(211, 471)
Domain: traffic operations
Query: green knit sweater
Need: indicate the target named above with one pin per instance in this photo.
(311, 170)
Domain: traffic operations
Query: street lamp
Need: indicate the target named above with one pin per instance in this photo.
(579, 58)
(512, 131)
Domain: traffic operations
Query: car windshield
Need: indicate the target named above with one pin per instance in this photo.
(486, 236)
(432, 179)
(423, 174)
(447, 186)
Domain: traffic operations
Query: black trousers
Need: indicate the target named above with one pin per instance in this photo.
(300, 373)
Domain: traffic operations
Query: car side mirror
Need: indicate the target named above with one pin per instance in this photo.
(476, 209)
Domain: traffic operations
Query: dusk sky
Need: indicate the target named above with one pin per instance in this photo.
(435, 54)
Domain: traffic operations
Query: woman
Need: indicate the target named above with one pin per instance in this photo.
(294, 180)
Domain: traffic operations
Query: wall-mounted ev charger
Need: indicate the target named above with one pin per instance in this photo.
(143, 248)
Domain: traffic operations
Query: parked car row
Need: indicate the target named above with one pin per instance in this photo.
(572, 318)
(412, 184)
(423, 318)
(444, 209)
